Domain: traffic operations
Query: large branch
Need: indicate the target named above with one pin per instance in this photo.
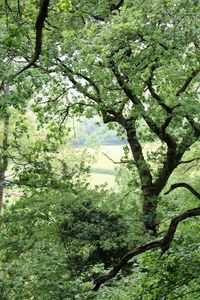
(78, 86)
(163, 244)
(136, 149)
(184, 185)
(174, 155)
(90, 81)
(39, 25)
(170, 161)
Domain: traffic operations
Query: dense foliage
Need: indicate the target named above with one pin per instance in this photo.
(134, 65)
(53, 243)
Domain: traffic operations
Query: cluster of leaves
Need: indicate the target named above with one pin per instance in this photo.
(50, 242)
(107, 233)
(136, 65)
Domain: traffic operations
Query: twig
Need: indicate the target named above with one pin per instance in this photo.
(119, 162)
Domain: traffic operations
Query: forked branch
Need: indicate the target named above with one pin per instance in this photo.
(163, 244)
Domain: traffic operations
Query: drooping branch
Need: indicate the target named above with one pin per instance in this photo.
(184, 185)
(39, 25)
(188, 81)
(189, 161)
(163, 244)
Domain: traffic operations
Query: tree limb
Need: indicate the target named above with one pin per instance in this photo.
(163, 244)
(194, 125)
(189, 161)
(188, 80)
(39, 25)
(184, 185)
(79, 87)
(166, 137)
(152, 91)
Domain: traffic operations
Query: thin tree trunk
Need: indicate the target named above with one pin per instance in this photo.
(4, 159)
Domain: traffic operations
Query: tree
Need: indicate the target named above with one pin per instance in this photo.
(4, 157)
(135, 65)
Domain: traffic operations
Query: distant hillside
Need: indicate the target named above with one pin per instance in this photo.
(89, 132)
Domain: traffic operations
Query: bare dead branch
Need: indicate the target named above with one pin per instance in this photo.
(163, 244)
(122, 161)
(39, 25)
(184, 185)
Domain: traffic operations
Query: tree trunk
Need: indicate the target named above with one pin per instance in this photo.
(150, 197)
(149, 209)
(4, 158)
